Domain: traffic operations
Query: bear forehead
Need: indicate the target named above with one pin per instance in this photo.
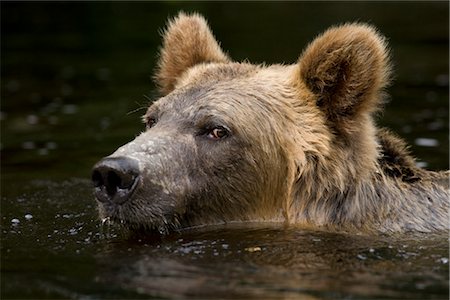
(226, 87)
(230, 75)
(230, 92)
(205, 100)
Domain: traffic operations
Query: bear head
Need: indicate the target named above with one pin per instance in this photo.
(233, 141)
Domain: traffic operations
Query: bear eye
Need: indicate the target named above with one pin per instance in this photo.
(218, 133)
(150, 122)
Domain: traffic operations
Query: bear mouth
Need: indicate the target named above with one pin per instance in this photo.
(128, 218)
(133, 227)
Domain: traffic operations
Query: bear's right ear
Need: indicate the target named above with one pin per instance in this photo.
(346, 69)
(187, 41)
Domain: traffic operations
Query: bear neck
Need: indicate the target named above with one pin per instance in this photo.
(384, 196)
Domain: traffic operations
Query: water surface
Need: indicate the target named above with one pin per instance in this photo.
(53, 246)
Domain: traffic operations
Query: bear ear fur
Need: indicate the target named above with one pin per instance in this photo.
(346, 69)
(187, 41)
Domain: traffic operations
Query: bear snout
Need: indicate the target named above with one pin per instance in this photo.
(115, 179)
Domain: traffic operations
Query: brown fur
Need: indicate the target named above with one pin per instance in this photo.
(190, 42)
(303, 147)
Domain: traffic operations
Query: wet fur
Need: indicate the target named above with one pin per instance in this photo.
(305, 148)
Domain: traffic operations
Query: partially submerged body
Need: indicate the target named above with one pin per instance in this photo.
(239, 142)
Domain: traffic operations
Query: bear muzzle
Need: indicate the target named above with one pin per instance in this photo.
(147, 182)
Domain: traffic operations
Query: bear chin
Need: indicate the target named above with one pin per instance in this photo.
(134, 219)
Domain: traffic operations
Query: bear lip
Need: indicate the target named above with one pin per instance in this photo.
(112, 216)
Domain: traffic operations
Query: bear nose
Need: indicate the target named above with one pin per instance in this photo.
(115, 178)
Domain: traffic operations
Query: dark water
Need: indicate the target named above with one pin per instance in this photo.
(74, 77)
(59, 250)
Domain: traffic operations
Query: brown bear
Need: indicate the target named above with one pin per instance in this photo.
(231, 141)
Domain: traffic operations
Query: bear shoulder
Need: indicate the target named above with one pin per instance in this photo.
(396, 161)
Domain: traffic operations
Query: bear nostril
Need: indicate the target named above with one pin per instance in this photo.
(97, 178)
(112, 182)
(115, 178)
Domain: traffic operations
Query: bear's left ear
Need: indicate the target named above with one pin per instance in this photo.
(346, 69)
(187, 41)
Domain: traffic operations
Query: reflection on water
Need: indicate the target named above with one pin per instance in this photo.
(223, 262)
(75, 80)
(52, 241)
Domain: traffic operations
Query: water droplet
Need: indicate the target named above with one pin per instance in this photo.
(43, 151)
(426, 142)
(163, 230)
(15, 221)
(421, 164)
(105, 227)
(32, 119)
(253, 249)
(51, 146)
(29, 145)
(73, 231)
(420, 285)
(28, 216)
(361, 257)
(69, 109)
(104, 123)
